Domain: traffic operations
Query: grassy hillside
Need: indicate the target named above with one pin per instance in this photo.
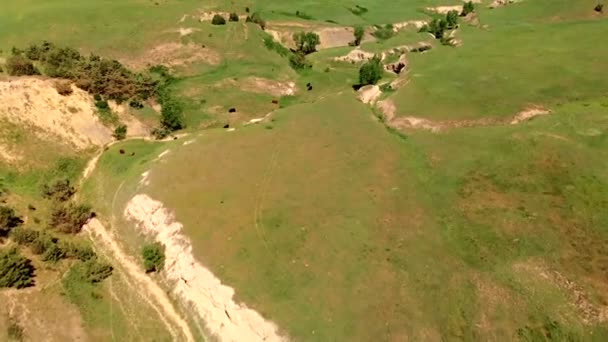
(322, 219)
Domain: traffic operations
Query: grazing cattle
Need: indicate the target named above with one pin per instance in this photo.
(226, 126)
(122, 151)
(232, 110)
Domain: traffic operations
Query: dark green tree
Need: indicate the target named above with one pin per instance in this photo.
(154, 257)
(233, 17)
(306, 42)
(451, 19)
(371, 72)
(218, 20)
(8, 220)
(120, 132)
(359, 32)
(467, 8)
(15, 270)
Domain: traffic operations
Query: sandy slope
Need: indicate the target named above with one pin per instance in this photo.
(196, 285)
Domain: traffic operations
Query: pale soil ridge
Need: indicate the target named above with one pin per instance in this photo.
(193, 283)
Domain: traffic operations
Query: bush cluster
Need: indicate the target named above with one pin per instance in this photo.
(99, 76)
(218, 20)
(15, 270)
(371, 72)
(306, 42)
(153, 256)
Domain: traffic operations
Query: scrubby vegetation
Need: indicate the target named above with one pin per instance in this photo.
(298, 61)
(233, 17)
(306, 42)
(61, 190)
(18, 65)
(8, 220)
(468, 7)
(70, 217)
(153, 256)
(120, 132)
(359, 31)
(371, 72)
(218, 20)
(384, 32)
(15, 270)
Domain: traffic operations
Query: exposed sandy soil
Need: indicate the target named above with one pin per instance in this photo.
(388, 108)
(528, 114)
(369, 93)
(355, 56)
(417, 24)
(135, 128)
(500, 3)
(330, 37)
(208, 16)
(261, 85)
(175, 55)
(445, 9)
(193, 283)
(155, 295)
(35, 102)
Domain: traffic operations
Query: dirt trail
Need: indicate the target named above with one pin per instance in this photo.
(196, 285)
(159, 299)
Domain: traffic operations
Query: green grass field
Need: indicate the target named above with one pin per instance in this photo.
(322, 219)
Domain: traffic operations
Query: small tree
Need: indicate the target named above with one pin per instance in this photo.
(8, 220)
(306, 42)
(120, 132)
(359, 32)
(19, 65)
(233, 17)
(171, 115)
(451, 19)
(437, 27)
(218, 20)
(371, 72)
(15, 270)
(154, 257)
(467, 8)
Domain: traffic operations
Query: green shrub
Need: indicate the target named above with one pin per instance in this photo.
(102, 104)
(94, 270)
(306, 42)
(69, 218)
(384, 32)
(273, 45)
(60, 191)
(218, 20)
(371, 72)
(451, 19)
(19, 65)
(8, 220)
(358, 10)
(24, 236)
(120, 132)
(467, 8)
(15, 270)
(73, 250)
(298, 61)
(359, 32)
(53, 253)
(154, 257)
(233, 17)
(42, 242)
(171, 115)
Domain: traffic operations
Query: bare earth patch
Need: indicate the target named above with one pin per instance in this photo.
(388, 108)
(369, 94)
(35, 102)
(445, 9)
(261, 85)
(193, 283)
(330, 37)
(174, 55)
